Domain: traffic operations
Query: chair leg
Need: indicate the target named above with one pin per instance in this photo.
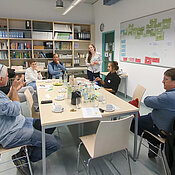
(78, 157)
(163, 162)
(88, 164)
(128, 161)
(28, 160)
(141, 138)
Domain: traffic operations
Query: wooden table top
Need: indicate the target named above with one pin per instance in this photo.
(67, 117)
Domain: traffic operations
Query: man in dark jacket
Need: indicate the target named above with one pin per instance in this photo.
(56, 68)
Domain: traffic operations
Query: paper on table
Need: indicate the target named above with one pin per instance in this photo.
(47, 96)
(44, 86)
(91, 113)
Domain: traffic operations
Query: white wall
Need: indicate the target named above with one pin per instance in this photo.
(148, 76)
(45, 10)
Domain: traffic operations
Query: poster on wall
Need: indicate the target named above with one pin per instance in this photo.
(149, 40)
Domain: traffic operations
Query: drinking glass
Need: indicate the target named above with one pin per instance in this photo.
(78, 102)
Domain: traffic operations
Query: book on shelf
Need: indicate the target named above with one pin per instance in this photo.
(3, 34)
(3, 55)
(3, 45)
(20, 45)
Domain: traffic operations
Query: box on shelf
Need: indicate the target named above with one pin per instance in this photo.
(42, 35)
(39, 47)
(48, 45)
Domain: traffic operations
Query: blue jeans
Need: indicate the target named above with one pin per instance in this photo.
(145, 122)
(26, 136)
(33, 84)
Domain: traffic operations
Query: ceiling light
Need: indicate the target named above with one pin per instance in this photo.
(59, 3)
(72, 5)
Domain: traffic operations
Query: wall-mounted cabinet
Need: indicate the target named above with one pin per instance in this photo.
(22, 40)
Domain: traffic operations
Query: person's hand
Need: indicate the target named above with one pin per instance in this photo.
(18, 84)
(92, 64)
(95, 62)
(58, 62)
(98, 79)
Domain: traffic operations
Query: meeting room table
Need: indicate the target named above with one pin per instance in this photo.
(71, 115)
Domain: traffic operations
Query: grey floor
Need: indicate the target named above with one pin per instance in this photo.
(63, 162)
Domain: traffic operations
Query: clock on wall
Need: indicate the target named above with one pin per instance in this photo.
(102, 27)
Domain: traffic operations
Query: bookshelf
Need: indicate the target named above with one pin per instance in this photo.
(22, 40)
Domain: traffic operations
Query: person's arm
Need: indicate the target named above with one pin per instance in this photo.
(39, 75)
(86, 61)
(100, 59)
(109, 90)
(10, 108)
(62, 67)
(51, 71)
(100, 80)
(16, 85)
(157, 102)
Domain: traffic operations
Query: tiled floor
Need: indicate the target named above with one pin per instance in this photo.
(63, 162)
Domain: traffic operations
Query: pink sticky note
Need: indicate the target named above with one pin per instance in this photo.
(125, 59)
(148, 60)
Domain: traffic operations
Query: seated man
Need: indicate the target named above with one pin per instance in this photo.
(16, 130)
(56, 68)
(32, 74)
(163, 114)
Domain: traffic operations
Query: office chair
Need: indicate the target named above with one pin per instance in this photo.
(111, 136)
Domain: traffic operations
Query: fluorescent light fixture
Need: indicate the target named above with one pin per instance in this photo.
(72, 5)
(59, 4)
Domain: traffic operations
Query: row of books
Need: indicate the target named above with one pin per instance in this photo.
(82, 35)
(42, 35)
(16, 34)
(63, 45)
(40, 55)
(3, 34)
(20, 45)
(3, 55)
(3, 45)
(65, 36)
(20, 55)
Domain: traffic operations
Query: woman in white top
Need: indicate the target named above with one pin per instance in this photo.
(32, 74)
(93, 62)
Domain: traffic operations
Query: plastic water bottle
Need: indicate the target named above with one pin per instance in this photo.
(65, 79)
(86, 94)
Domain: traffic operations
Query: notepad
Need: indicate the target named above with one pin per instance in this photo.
(91, 113)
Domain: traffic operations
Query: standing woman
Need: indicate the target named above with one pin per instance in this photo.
(93, 62)
(112, 80)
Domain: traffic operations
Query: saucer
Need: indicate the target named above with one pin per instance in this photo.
(111, 109)
(58, 111)
(60, 98)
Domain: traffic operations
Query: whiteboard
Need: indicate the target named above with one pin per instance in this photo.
(149, 40)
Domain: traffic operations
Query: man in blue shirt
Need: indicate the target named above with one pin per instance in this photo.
(16, 130)
(56, 67)
(162, 116)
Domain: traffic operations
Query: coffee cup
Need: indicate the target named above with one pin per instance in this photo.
(109, 107)
(100, 98)
(57, 108)
(60, 97)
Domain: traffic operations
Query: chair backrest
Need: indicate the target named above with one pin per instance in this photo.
(112, 136)
(29, 99)
(138, 93)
